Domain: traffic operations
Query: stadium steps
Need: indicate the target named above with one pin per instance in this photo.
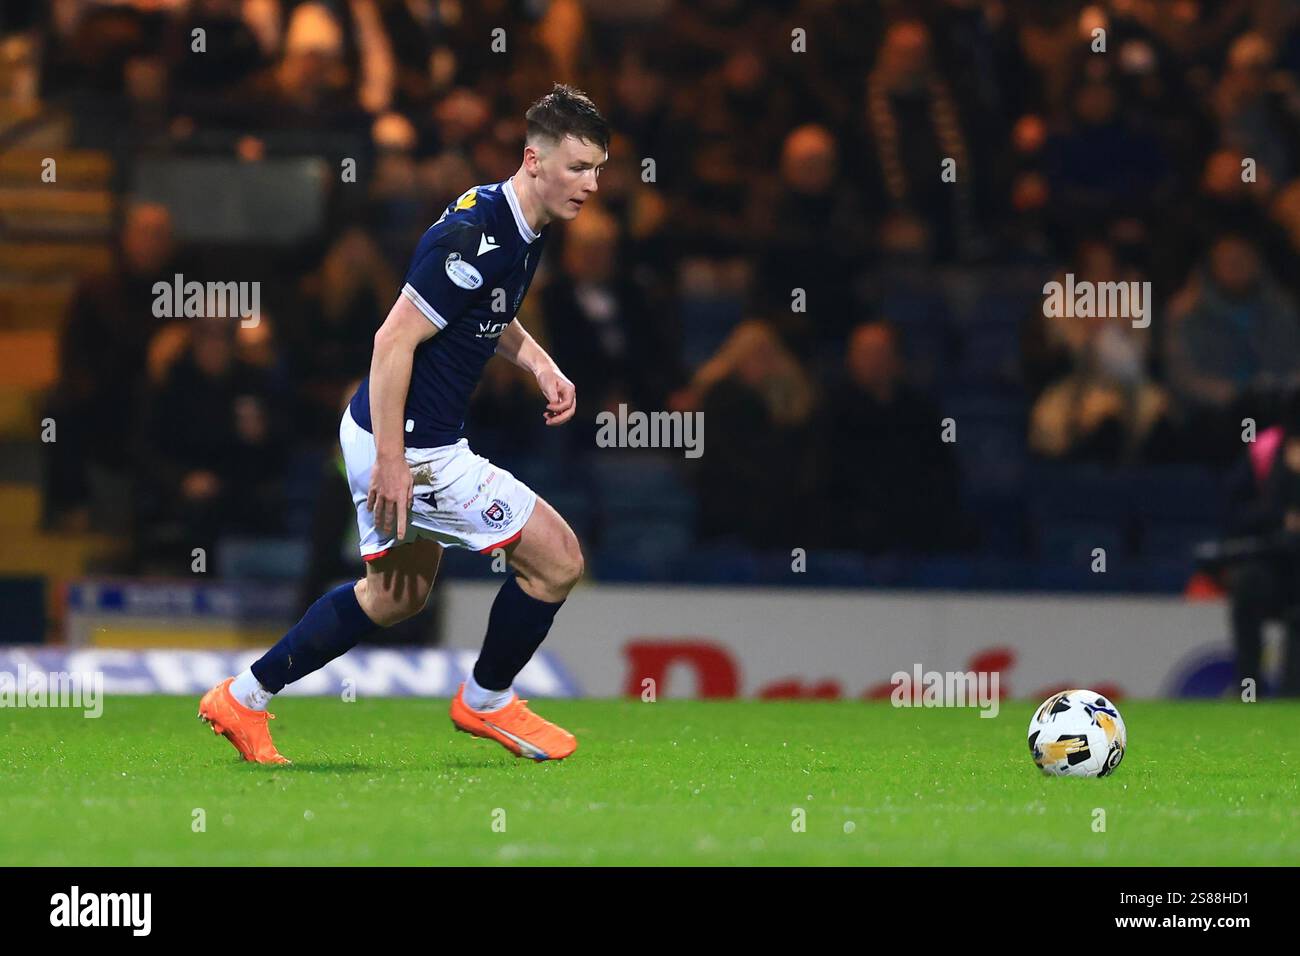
(56, 556)
(26, 549)
(34, 305)
(20, 507)
(47, 210)
(29, 359)
(53, 260)
(74, 169)
(20, 414)
(48, 134)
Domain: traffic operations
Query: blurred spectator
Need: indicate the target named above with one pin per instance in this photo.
(758, 404)
(814, 236)
(331, 332)
(892, 482)
(213, 448)
(311, 86)
(103, 348)
(237, 55)
(1267, 501)
(915, 124)
(641, 110)
(1255, 119)
(1100, 162)
(1096, 400)
(1233, 333)
(597, 323)
(1223, 202)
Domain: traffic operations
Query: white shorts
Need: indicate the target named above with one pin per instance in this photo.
(462, 500)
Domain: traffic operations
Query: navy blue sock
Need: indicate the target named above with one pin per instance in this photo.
(517, 626)
(331, 626)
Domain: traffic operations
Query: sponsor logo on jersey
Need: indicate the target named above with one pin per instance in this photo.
(487, 243)
(467, 199)
(490, 330)
(462, 273)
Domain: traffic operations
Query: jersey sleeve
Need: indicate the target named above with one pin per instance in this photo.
(452, 272)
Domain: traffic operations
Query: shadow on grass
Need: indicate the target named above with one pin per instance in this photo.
(487, 762)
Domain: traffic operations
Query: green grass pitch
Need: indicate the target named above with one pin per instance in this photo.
(389, 782)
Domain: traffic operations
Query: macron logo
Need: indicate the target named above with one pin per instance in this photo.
(487, 243)
(103, 909)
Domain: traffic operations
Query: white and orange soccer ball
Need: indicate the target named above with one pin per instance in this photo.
(1077, 733)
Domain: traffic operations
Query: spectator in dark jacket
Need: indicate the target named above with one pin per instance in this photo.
(213, 449)
(102, 353)
(893, 480)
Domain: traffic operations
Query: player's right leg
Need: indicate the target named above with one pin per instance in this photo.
(396, 586)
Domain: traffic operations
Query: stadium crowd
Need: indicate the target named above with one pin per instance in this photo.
(775, 244)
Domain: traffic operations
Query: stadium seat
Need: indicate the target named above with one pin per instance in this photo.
(262, 558)
(716, 565)
(1175, 540)
(1072, 542)
(641, 484)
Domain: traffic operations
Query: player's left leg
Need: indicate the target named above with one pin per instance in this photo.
(546, 563)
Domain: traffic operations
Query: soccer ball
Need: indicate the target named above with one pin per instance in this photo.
(1077, 733)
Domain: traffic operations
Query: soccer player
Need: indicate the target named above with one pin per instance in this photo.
(417, 485)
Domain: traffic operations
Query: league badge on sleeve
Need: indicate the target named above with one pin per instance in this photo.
(462, 273)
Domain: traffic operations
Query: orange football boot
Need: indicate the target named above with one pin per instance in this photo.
(514, 727)
(242, 726)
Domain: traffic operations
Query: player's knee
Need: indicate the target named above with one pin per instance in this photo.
(566, 571)
(386, 607)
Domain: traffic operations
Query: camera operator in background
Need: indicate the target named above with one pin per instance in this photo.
(1267, 586)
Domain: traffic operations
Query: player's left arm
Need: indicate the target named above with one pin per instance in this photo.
(522, 349)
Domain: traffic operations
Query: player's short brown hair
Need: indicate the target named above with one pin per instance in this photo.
(566, 112)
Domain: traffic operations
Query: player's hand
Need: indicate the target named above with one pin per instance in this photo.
(561, 395)
(391, 495)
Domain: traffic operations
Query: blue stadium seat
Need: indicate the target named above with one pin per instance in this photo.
(706, 323)
(822, 568)
(652, 538)
(1174, 541)
(616, 565)
(1079, 491)
(1072, 542)
(641, 484)
(262, 559)
(714, 565)
(1187, 493)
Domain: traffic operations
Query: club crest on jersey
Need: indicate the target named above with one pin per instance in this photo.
(462, 273)
(497, 515)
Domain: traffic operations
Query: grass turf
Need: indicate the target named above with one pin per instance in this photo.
(388, 782)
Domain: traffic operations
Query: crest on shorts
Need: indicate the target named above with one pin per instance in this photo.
(497, 515)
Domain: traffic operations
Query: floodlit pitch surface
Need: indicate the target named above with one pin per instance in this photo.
(674, 782)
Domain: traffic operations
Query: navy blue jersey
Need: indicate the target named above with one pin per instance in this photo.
(468, 275)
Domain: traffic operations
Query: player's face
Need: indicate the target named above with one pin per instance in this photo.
(567, 175)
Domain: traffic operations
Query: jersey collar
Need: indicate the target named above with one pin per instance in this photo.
(512, 199)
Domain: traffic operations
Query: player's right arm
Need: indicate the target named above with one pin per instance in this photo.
(391, 485)
(446, 278)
